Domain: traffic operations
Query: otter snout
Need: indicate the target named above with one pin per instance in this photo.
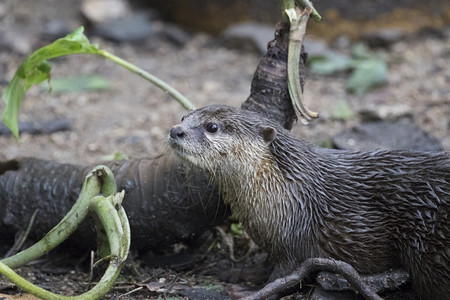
(177, 132)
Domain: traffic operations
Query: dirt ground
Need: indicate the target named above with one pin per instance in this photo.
(133, 117)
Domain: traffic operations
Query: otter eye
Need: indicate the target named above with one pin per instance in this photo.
(211, 127)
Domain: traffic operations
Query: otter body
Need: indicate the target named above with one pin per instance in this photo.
(373, 209)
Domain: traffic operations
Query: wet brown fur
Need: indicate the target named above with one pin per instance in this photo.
(373, 209)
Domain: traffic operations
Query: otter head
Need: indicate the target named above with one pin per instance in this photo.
(220, 137)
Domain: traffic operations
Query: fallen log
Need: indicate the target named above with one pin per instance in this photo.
(167, 201)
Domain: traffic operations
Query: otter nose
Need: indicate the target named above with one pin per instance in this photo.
(176, 132)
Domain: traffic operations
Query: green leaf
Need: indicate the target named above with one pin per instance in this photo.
(236, 228)
(36, 69)
(329, 64)
(327, 143)
(115, 156)
(359, 51)
(368, 74)
(367, 69)
(342, 111)
(213, 287)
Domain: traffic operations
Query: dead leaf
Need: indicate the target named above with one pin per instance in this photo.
(154, 286)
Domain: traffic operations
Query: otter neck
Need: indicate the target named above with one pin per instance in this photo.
(267, 204)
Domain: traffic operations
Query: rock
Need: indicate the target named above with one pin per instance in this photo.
(384, 37)
(401, 135)
(320, 48)
(56, 29)
(39, 127)
(342, 111)
(97, 11)
(114, 20)
(342, 42)
(172, 33)
(385, 112)
(429, 31)
(446, 32)
(3, 9)
(248, 36)
(323, 60)
(16, 40)
(317, 47)
(132, 28)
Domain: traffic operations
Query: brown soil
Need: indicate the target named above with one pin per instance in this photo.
(133, 117)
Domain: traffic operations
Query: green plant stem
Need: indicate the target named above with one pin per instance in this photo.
(111, 216)
(314, 13)
(36, 69)
(298, 20)
(117, 228)
(156, 81)
(99, 181)
(91, 187)
(287, 4)
(24, 284)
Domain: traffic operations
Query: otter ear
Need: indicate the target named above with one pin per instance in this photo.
(268, 134)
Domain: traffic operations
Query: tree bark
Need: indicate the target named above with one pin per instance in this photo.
(269, 94)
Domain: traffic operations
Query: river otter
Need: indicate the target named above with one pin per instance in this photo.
(373, 209)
